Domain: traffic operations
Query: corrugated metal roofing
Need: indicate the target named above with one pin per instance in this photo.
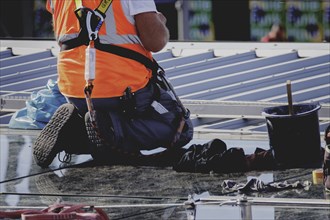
(225, 85)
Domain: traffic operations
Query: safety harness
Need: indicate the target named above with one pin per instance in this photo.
(90, 23)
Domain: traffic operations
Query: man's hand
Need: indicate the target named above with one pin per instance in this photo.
(152, 30)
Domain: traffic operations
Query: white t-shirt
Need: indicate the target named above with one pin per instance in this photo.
(134, 7)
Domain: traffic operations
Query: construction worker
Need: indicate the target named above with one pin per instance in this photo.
(117, 104)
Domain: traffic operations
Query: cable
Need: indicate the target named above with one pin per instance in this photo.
(49, 171)
(91, 195)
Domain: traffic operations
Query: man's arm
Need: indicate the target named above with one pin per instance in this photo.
(152, 30)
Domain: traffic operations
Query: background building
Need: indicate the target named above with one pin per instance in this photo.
(196, 20)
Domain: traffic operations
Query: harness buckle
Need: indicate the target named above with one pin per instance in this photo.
(90, 23)
(88, 89)
(93, 34)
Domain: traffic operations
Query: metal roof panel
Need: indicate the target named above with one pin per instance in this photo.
(236, 78)
(15, 60)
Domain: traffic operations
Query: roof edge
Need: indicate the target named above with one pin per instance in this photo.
(222, 48)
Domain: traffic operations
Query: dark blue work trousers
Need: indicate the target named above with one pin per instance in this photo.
(146, 128)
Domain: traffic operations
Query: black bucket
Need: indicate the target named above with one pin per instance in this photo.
(294, 139)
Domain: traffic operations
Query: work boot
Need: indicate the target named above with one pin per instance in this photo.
(64, 131)
(101, 135)
(326, 163)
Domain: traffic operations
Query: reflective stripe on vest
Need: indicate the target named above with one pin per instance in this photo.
(113, 73)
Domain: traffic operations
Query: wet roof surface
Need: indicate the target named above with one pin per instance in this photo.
(146, 192)
(225, 88)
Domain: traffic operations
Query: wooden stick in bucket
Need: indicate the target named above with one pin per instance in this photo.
(289, 93)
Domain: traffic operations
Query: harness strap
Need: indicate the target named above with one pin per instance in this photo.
(114, 49)
(130, 54)
(102, 8)
(78, 3)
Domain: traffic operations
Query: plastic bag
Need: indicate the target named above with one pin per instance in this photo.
(39, 108)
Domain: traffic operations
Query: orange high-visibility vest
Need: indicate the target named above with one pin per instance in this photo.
(113, 73)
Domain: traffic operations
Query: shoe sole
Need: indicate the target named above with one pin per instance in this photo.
(46, 145)
(92, 134)
(102, 138)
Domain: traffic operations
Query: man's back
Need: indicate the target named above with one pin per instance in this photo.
(130, 24)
